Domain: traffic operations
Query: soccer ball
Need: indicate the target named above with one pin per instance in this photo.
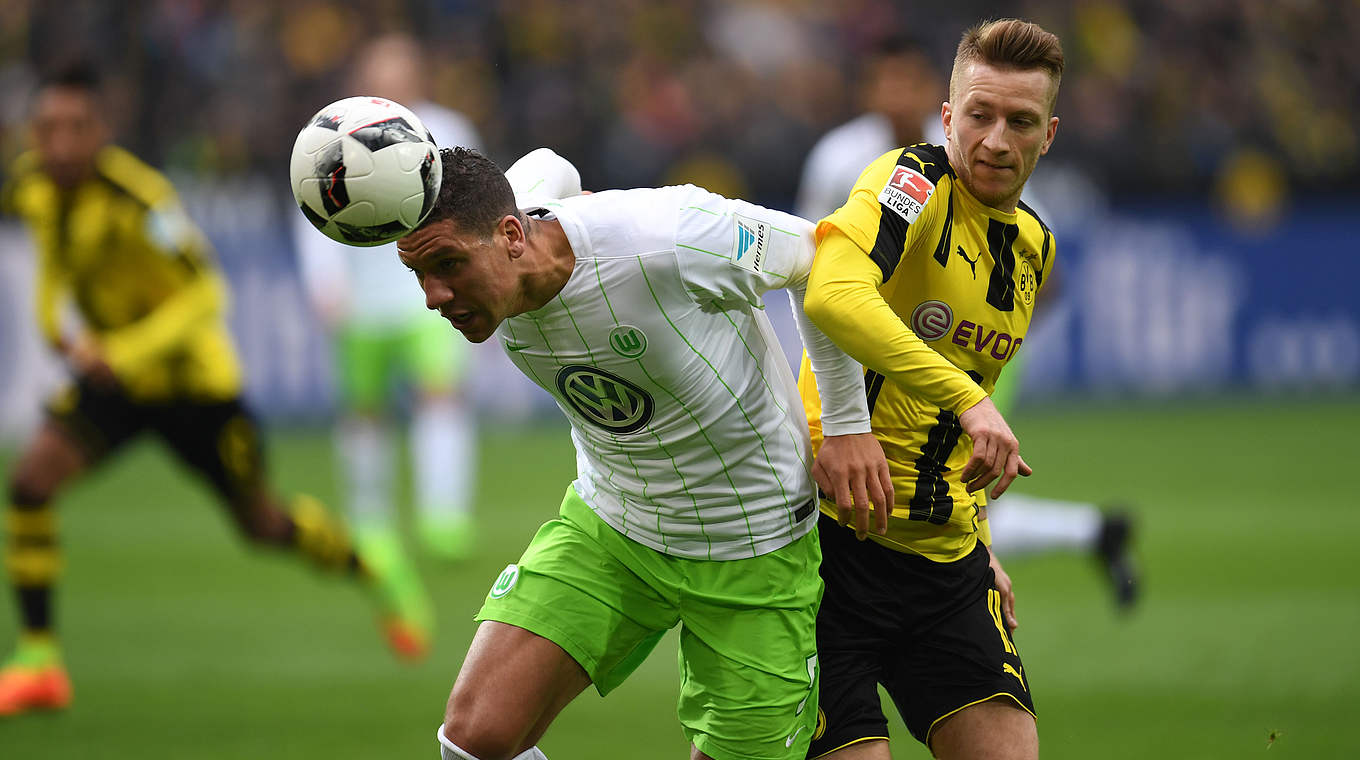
(365, 171)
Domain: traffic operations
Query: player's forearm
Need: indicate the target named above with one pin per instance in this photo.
(167, 327)
(48, 302)
(840, 379)
(843, 300)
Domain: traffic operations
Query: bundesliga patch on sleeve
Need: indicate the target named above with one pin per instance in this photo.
(752, 243)
(906, 192)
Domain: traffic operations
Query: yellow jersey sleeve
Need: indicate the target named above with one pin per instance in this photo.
(892, 210)
(844, 301)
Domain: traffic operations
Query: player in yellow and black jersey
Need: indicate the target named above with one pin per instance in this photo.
(928, 275)
(152, 355)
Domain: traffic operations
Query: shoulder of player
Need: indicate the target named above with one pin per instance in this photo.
(131, 177)
(23, 172)
(1031, 224)
(931, 161)
(852, 137)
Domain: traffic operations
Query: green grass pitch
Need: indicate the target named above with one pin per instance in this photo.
(183, 643)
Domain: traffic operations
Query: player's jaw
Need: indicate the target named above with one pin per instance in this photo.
(997, 129)
(475, 325)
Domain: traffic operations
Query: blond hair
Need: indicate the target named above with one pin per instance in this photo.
(1009, 44)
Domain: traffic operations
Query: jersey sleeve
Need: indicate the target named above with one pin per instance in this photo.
(843, 300)
(541, 175)
(53, 287)
(894, 207)
(168, 230)
(731, 252)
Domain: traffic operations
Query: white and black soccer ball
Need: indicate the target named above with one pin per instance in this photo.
(365, 171)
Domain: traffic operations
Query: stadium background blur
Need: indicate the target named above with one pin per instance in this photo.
(1202, 360)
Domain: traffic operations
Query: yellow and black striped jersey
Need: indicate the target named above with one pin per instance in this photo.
(139, 271)
(933, 292)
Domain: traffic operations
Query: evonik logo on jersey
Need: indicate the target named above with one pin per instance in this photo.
(906, 192)
(985, 340)
(605, 399)
(751, 244)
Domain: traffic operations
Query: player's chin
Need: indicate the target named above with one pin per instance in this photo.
(474, 328)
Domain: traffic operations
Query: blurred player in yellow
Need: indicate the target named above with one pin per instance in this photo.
(928, 275)
(152, 355)
(384, 339)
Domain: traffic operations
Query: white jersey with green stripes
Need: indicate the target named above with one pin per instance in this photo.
(689, 432)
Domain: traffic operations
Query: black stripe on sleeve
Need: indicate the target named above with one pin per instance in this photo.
(873, 383)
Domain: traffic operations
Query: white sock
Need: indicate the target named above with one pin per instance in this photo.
(450, 751)
(1022, 524)
(442, 435)
(366, 450)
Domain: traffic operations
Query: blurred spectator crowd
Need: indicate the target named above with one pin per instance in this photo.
(1165, 97)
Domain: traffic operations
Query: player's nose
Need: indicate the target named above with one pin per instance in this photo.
(994, 139)
(437, 293)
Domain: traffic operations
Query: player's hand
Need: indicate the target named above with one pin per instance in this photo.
(853, 471)
(996, 452)
(87, 361)
(1003, 587)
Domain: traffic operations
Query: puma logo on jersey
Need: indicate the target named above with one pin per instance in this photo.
(985, 340)
(1006, 667)
(919, 162)
(972, 263)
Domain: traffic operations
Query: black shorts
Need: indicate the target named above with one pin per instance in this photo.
(930, 632)
(220, 440)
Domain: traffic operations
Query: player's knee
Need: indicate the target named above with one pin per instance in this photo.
(29, 488)
(484, 739)
(260, 522)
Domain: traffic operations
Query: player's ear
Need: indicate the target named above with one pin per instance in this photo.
(513, 230)
(947, 119)
(1052, 132)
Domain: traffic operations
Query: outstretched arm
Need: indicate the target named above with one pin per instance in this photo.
(843, 300)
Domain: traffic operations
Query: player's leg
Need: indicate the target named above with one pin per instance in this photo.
(443, 431)
(363, 440)
(997, 729)
(858, 625)
(222, 442)
(959, 659)
(513, 683)
(578, 608)
(82, 427)
(1023, 524)
(748, 653)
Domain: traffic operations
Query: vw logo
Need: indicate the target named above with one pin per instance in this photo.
(604, 398)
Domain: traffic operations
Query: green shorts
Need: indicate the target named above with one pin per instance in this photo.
(425, 353)
(748, 644)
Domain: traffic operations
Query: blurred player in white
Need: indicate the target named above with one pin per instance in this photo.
(694, 502)
(384, 342)
(901, 91)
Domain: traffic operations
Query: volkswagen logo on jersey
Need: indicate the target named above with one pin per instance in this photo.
(604, 398)
(628, 341)
(932, 320)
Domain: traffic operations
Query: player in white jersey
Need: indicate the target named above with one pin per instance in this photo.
(694, 503)
(902, 91)
(384, 340)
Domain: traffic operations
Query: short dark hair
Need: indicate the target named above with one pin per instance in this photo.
(473, 192)
(77, 74)
(1009, 43)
